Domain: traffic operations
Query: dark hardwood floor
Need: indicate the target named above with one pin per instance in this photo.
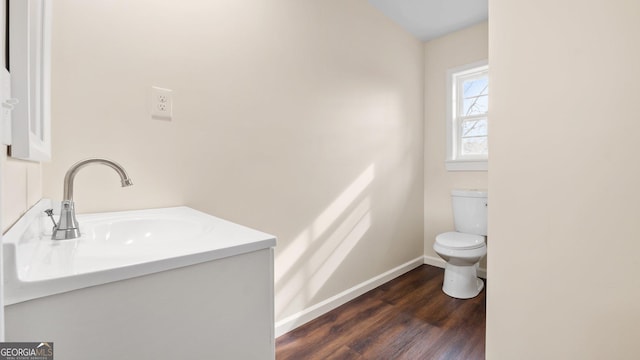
(407, 318)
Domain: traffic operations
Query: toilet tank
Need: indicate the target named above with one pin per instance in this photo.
(470, 211)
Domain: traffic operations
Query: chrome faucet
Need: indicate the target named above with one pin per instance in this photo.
(67, 227)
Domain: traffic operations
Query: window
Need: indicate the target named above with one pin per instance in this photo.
(467, 117)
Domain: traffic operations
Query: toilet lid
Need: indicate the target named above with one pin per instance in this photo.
(461, 241)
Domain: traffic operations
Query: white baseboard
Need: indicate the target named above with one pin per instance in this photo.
(439, 262)
(289, 323)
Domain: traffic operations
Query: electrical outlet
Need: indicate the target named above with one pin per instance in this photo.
(161, 103)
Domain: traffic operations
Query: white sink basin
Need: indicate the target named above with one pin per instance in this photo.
(140, 230)
(115, 246)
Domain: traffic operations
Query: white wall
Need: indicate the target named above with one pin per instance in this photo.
(21, 188)
(460, 48)
(563, 178)
(302, 119)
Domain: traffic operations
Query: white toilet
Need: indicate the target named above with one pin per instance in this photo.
(463, 249)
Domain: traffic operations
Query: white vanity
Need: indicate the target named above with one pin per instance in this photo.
(169, 283)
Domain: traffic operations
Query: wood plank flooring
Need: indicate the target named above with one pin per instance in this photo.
(407, 318)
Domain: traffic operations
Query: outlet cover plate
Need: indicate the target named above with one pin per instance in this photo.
(161, 103)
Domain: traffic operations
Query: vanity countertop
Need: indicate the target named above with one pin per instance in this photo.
(115, 246)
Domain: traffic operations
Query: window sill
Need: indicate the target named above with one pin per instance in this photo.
(466, 165)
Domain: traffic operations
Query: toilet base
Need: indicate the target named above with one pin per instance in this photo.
(462, 282)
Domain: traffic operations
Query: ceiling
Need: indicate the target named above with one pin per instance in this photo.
(428, 19)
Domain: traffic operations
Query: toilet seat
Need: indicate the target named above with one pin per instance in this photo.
(460, 241)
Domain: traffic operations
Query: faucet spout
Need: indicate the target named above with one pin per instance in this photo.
(73, 170)
(67, 227)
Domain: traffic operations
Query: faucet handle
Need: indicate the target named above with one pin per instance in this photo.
(49, 213)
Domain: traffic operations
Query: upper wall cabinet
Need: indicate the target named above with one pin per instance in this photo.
(29, 64)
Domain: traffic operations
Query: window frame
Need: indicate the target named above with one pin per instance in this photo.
(454, 161)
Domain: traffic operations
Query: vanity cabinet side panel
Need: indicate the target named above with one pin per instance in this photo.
(221, 309)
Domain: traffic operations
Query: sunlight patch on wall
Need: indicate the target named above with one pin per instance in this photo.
(344, 246)
(296, 248)
(305, 265)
